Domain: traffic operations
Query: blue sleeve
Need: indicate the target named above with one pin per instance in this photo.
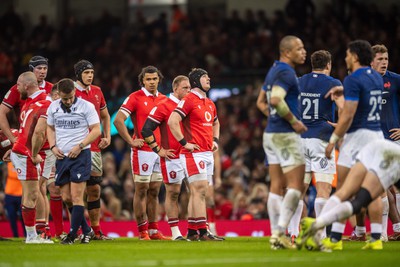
(351, 89)
(336, 82)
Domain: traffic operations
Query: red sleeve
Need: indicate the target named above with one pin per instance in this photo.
(184, 107)
(103, 103)
(129, 104)
(12, 98)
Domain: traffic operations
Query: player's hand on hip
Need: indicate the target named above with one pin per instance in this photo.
(166, 153)
(191, 147)
(334, 124)
(6, 156)
(395, 134)
(138, 143)
(299, 127)
(37, 159)
(104, 142)
(329, 149)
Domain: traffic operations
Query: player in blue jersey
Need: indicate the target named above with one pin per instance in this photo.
(390, 124)
(317, 114)
(282, 142)
(360, 121)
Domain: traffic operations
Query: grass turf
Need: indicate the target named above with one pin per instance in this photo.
(240, 251)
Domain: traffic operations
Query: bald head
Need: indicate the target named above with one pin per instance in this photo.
(27, 84)
(29, 78)
(292, 50)
(287, 43)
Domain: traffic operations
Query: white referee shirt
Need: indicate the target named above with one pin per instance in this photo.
(71, 128)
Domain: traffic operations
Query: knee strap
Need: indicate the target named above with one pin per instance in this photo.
(93, 204)
(362, 200)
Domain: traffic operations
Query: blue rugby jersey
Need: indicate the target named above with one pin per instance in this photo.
(390, 114)
(283, 75)
(365, 86)
(316, 110)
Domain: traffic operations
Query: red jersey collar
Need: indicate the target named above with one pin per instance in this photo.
(198, 94)
(147, 93)
(174, 98)
(80, 88)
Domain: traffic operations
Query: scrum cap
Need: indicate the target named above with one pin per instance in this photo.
(36, 61)
(80, 67)
(194, 78)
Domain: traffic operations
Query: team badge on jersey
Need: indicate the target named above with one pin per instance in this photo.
(202, 164)
(172, 174)
(145, 167)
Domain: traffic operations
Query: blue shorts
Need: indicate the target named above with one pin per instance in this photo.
(75, 170)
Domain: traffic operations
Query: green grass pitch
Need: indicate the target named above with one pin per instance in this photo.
(240, 251)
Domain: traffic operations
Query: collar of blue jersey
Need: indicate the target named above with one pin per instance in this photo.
(147, 93)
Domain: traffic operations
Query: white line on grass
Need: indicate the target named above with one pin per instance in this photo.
(178, 262)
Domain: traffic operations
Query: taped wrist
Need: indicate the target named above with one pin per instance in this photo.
(282, 109)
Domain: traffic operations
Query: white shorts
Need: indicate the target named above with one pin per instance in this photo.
(353, 143)
(285, 149)
(382, 157)
(49, 165)
(25, 168)
(97, 163)
(198, 163)
(144, 163)
(314, 153)
(172, 171)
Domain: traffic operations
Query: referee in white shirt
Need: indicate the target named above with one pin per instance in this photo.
(72, 125)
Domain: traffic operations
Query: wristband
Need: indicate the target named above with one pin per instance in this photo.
(293, 120)
(51, 148)
(334, 138)
(156, 149)
(183, 142)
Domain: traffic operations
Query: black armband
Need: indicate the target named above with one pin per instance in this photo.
(183, 141)
(156, 149)
(51, 148)
(216, 140)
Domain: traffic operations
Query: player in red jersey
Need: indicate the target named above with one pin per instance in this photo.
(28, 168)
(84, 72)
(145, 163)
(199, 139)
(12, 100)
(171, 167)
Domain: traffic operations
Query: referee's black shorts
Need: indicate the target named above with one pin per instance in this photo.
(75, 170)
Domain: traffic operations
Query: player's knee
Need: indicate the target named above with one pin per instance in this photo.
(93, 192)
(173, 195)
(94, 180)
(362, 200)
(153, 192)
(91, 205)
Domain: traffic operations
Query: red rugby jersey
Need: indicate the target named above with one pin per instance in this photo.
(160, 115)
(138, 105)
(32, 113)
(198, 115)
(95, 96)
(13, 98)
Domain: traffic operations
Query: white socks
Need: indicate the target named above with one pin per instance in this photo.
(385, 215)
(318, 206)
(293, 228)
(289, 206)
(340, 212)
(274, 208)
